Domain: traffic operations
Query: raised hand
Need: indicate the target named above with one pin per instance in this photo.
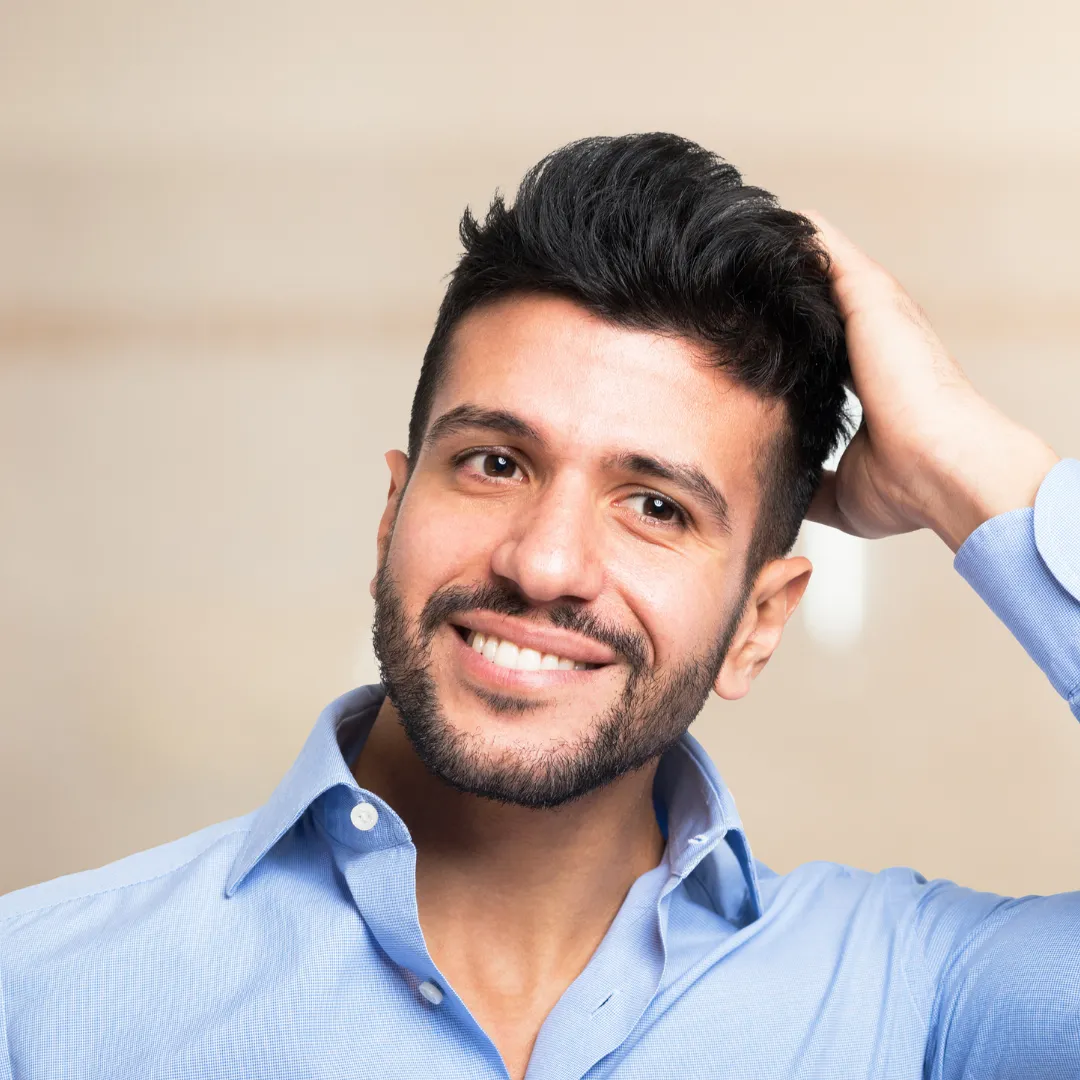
(931, 452)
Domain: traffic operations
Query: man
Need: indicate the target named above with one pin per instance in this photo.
(510, 858)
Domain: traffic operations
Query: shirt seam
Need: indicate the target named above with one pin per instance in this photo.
(7, 919)
(1073, 702)
(5, 1047)
(944, 1010)
(923, 1008)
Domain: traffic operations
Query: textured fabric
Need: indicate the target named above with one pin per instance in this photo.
(286, 944)
(1026, 565)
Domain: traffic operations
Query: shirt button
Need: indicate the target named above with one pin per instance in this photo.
(430, 991)
(364, 816)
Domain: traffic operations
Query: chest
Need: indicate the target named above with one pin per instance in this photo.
(284, 1018)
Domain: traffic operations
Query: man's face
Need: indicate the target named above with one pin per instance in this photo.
(563, 573)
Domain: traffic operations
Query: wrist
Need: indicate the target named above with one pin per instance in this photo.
(998, 468)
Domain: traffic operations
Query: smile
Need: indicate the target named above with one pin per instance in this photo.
(507, 654)
(514, 653)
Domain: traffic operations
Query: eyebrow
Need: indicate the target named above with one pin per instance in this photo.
(463, 417)
(687, 477)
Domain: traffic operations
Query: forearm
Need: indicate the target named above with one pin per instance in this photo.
(986, 466)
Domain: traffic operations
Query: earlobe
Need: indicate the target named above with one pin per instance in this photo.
(774, 598)
(732, 681)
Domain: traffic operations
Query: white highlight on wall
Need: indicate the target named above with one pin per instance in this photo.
(834, 607)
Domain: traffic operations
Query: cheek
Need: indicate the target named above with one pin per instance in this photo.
(681, 606)
(432, 544)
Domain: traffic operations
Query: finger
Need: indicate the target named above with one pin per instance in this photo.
(853, 273)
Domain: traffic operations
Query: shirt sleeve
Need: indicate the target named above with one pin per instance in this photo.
(1003, 975)
(1003, 979)
(1026, 565)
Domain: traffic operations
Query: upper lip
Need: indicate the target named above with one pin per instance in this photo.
(531, 635)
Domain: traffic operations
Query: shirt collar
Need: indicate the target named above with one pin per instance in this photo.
(320, 767)
(706, 837)
(704, 828)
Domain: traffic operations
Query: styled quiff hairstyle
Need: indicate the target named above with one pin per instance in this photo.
(653, 232)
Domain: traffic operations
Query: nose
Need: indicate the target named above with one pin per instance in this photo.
(552, 551)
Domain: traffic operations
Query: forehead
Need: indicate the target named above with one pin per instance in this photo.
(591, 387)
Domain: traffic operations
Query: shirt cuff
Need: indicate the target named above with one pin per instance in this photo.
(1025, 564)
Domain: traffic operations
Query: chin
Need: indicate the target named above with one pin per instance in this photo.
(516, 759)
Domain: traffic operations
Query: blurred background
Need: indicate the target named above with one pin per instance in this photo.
(223, 233)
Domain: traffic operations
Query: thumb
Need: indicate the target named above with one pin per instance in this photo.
(823, 507)
(823, 504)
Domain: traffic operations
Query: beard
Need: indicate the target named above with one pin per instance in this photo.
(647, 717)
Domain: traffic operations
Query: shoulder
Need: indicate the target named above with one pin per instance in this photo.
(107, 942)
(813, 881)
(90, 962)
(896, 899)
(893, 909)
(209, 852)
(808, 879)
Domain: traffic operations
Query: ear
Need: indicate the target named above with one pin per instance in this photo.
(776, 594)
(398, 464)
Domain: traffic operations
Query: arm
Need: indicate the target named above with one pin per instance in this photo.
(1000, 978)
(932, 453)
(1003, 976)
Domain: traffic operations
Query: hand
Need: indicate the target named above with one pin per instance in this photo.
(930, 452)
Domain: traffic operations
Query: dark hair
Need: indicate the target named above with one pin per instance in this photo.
(654, 232)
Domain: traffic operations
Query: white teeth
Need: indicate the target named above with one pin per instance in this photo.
(528, 660)
(508, 655)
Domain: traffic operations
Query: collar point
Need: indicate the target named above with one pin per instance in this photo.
(234, 882)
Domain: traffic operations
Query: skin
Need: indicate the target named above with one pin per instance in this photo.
(514, 901)
(932, 453)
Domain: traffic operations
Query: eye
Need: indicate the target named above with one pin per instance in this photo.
(656, 509)
(490, 464)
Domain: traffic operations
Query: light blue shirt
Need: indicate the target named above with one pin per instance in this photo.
(286, 943)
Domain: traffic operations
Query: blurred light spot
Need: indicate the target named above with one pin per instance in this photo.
(834, 607)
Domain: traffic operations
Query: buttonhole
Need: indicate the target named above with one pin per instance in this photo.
(613, 994)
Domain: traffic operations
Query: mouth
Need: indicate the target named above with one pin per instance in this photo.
(502, 652)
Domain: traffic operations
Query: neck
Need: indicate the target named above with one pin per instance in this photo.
(513, 898)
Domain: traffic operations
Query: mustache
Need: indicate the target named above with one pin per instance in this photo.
(453, 600)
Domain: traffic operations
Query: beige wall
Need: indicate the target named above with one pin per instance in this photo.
(222, 232)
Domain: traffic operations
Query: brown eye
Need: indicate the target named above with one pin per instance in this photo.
(498, 465)
(658, 508)
(490, 465)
